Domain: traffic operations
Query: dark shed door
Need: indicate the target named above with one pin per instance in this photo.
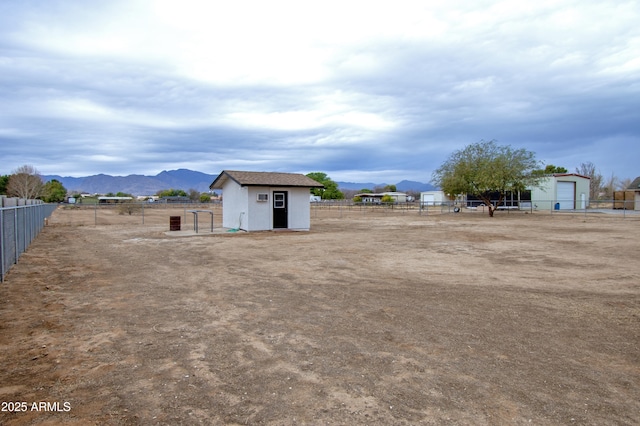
(280, 209)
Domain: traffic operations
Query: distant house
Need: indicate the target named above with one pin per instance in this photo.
(635, 187)
(628, 199)
(175, 199)
(110, 200)
(376, 198)
(262, 201)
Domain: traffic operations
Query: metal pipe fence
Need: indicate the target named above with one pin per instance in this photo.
(158, 214)
(348, 208)
(148, 214)
(19, 225)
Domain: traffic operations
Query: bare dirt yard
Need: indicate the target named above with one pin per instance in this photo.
(389, 318)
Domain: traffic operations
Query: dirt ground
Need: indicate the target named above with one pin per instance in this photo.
(386, 318)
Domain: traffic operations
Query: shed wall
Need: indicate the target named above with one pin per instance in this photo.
(234, 205)
(260, 212)
(299, 209)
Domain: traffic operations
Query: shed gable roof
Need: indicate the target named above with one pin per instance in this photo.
(264, 179)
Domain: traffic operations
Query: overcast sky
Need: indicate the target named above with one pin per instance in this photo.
(365, 91)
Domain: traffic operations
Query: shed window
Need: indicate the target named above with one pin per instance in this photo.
(263, 197)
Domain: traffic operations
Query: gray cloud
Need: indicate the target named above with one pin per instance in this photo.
(367, 91)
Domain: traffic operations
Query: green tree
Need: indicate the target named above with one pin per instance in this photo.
(53, 192)
(205, 198)
(330, 190)
(4, 181)
(387, 199)
(549, 170)
(172, 193)
(486, 168)
(25, 182)
(386, 188)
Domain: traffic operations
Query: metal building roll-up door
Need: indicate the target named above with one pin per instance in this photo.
(567, 195)
(428, 200)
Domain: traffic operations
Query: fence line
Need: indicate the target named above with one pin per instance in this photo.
(138, 213)
(340, 208)
(20, 225)
(155, 214)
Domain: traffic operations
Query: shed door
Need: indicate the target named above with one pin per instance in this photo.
(567, 195)
(280, 209)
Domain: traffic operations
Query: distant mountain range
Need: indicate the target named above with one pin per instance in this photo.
(402, 186)
(183, 179)
(137, 184)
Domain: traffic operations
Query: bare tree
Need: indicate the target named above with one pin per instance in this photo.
(129, 208)
(25, 182)
(625, 183)
(194, 195)
(589, 170)
(610, 186)
(614, 184)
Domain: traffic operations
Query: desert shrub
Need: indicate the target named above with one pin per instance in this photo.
(129, 208)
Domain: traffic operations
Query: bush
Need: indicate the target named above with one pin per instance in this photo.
(129, 208)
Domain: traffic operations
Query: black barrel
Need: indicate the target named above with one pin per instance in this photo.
(174, 223)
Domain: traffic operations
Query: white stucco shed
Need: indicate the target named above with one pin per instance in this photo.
(263, 201)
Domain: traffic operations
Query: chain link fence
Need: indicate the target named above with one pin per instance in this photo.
(20, 223)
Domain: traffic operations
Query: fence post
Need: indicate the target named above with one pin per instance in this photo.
(15, 235)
